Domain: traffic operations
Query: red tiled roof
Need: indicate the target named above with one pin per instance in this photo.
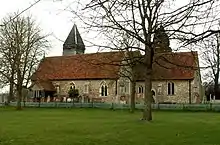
(80, 66)
(169, 65)
(44, 85)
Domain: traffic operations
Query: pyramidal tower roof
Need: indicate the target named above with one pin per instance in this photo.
(74, 40)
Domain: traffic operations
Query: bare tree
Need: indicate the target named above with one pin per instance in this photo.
(132, 58)
(141, 19)
(3, 80)
(22, 48)
(211, 58)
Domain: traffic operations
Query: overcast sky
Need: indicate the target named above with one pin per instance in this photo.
(53, 17)
(50, 16)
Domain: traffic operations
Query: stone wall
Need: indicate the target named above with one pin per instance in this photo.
(181, 91)
(93, 90)
(197, 87)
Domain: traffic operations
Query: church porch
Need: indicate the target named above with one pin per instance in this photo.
(42, 91)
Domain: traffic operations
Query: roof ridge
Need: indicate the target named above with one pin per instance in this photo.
(84, 54)
(177, 52)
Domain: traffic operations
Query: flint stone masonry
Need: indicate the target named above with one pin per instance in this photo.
(94, 88)
(186, 82)
(181, 90)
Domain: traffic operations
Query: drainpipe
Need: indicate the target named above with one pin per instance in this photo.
(190, 92)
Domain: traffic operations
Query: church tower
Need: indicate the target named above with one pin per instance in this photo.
(74, 43)
(161, 41)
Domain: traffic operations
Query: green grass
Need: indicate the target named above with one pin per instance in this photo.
(106, 127)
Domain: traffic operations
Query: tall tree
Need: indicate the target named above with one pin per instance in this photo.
(131, 60)
(141, 19)
(22, 47)
(211, 59)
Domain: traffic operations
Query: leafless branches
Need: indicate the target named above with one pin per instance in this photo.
(186, 22)
(20, 13)
(22, 46)
(211, 57)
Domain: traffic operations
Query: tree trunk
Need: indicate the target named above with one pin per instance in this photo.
(73, 102)
(24, 103)
(148, 66)
(218, 68)
(11, 90)
(132, 108)
(216, 86)
(19, 89)
(19, 96)
(147, 115)
(190, 92)
(39, 101)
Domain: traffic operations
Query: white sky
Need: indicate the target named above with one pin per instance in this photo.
(53, 17)
(50, 16)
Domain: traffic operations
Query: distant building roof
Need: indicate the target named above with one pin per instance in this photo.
(106, 65)
(45, 85)
(171, 66)
(81, 66)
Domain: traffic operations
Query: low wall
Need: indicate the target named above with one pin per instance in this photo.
(174, 107)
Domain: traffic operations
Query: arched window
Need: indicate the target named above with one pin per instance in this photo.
(122, 89)
(159, 89)
(103, 89)
(57, 88)
(170, 88)
(86, 88)
(140, 89)
(72, 85)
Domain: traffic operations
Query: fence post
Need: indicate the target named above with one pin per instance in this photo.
(112, 106)
(55, 104)
(210, 107)
(39, 104)
(92, 104)
(158, 106)
(66, 104)
(73, 103)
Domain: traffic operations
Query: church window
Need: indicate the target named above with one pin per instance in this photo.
(103, 89)
(122, 89)
(72, 86)
(140, 89)
(86, 89)
(159, 89)
(57, 89)
(170, 88)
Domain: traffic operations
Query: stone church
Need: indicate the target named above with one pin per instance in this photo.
(97, 76)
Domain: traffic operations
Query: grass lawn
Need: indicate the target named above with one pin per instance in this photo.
(106, 127)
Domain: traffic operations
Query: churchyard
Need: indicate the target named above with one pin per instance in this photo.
(90, 126)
